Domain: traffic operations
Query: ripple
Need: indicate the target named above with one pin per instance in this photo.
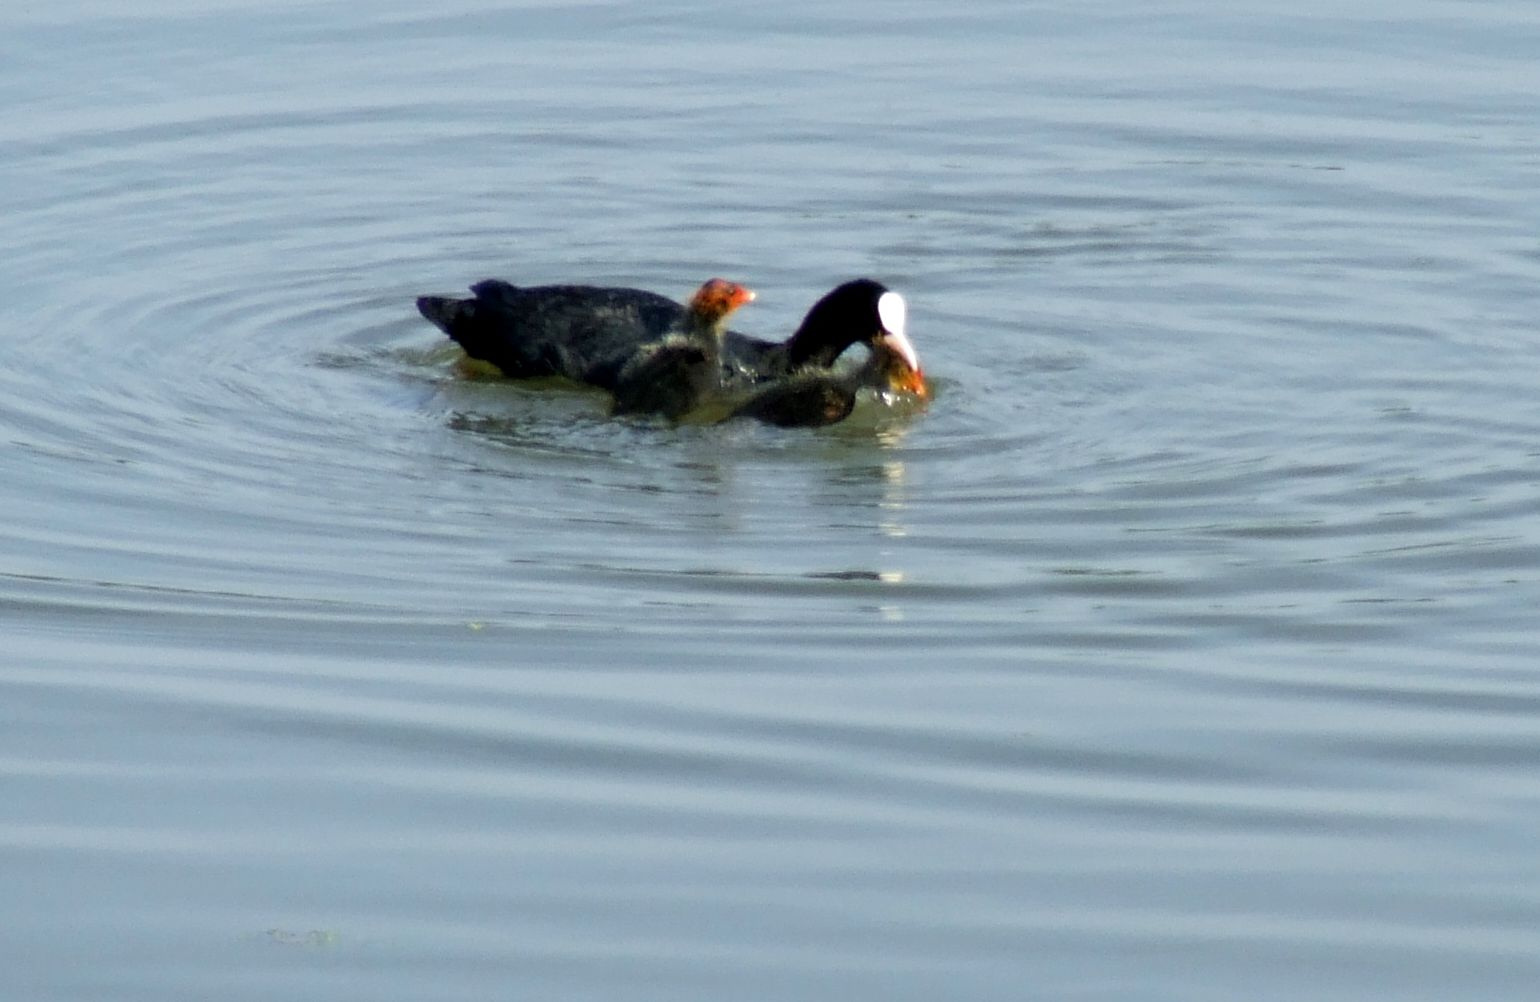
(1188, 629)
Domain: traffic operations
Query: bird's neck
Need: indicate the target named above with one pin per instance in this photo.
(805, 348)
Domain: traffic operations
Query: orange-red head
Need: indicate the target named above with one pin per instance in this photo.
(719, 297)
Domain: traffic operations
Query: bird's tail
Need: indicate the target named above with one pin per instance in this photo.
(442, 311)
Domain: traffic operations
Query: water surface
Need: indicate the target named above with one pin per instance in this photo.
(1183, 649)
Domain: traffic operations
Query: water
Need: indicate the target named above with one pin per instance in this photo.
(1184, 649)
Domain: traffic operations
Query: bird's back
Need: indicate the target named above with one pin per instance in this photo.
(582, 332)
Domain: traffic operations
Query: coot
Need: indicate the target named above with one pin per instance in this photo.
(682, 371)
(589, 333)
(812, 397)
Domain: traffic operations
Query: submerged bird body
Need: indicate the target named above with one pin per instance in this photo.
(815, 397)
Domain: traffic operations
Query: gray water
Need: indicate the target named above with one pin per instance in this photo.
(1184, 648)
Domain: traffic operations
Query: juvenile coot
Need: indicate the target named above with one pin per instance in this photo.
(683, 370)
(812, 397)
